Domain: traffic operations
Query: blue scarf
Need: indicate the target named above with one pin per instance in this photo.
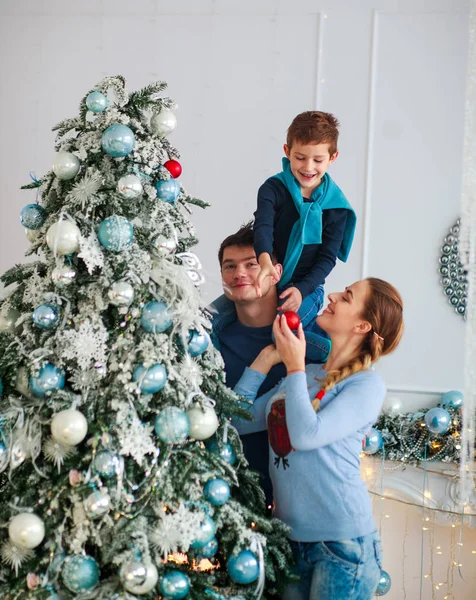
(308, 228)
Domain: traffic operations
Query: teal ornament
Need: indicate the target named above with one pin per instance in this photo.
(198, 343)
(172, 425)
(3, 451)
(33, 216)
(49, 379)
(46, 316)
(150, 380)
(118, 140)
(1, 387)
(384, 584)
(217, 491)
(438, 420)
(168, 190)
(155, 317)
(452, 399)
(96, 102)
(106, 464)
(80, 573)
(207, 532)
(226, 452)
(243, 568)
(116, 233)
(175, 585)
(417, 416)
(373, 441)
(209, 549)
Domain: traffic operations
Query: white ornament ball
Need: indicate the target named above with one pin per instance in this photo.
(129, 186)
(164, 122)
(392, 406)
(66, 165)
(121, 293)
(26, 531)
(32, 235)
(149, 584)
(8, 318)
(69, 427)
(63, 237)
(203, 422)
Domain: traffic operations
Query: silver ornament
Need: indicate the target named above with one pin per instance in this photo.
(121, 293)
(129, 186)
(63, 276)
(149, 584)
(165, 246)
(453, 275)
(133, 573)
(97, 504)
(66, 165)
(392, 406)
(8, 318)
(32, 235)
(164, 122)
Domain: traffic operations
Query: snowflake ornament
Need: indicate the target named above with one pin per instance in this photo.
(85, 189)
(176, 531)
(134, 436)
(35, 288)
(14, 556)
(57, 453)
(91, 253)
(86, 345)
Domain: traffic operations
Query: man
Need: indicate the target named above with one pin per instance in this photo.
(243, 327)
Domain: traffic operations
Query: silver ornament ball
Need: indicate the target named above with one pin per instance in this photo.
(149, 584)
(97, 504)
(8, 318)
(66, 165)
(133, 573)
(165, 246)
(164, 122)
(392, 406)
(63, 276)
(129, 186)
(121, 293)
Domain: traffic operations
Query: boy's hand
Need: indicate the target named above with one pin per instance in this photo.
(294, 299)
(267, 270)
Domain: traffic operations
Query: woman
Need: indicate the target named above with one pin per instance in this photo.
(317, 419)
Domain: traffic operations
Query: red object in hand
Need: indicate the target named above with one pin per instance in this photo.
(292, 319)
(174, 168)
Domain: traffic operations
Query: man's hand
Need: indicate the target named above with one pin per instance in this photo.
(294, 300)
(267, 270)
(266, 359)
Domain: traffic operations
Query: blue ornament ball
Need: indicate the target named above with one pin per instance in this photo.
(198, 343)
(168, 190)
(155, 317)
(3, 451)
(150, 380)
(373, 441)
(217, 491)
(207, 532)
(438, 420)
(1, 387)
(118, 140)
(46, 316)
(80, 573)
(106, 464)
(49, 379)
(175, 585)
(243, 568)
(33, 216)
(96, 102)
(116, 233)
(452, 399)
(226, 453)
(172, 425)
(209, 549)
(384, 584)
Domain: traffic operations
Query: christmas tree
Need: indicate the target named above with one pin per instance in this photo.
(121, 475)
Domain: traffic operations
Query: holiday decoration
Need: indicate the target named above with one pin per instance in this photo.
(167, 190)
(165, 246)
(209, 549)
(49, 379)
(217, 491)
(121, 293)
(392, 406)
(116, 233)
(69, 427)
(174, 168)
(97, 504)
(26, 530)
(129, 186)
(206, 532)
(164, 122)
(133, 573)
(63, 276)
(8, 319)
(32, 235)
(66, 165)
(384, 584)
(243, 568)
(452, 399)
(151, 578)
(46, 316)
(33, 216)
(292, 319)
(63, 237)
(438, 420)
(225, 452)
(373, 441)
(203, 422)
(118, 140)
(150, 380)
(156, 317)
(198, 343)
(96, 102)
(175, 585)
(172, 425)
(454, 279)
(80, 573)
(106, 464)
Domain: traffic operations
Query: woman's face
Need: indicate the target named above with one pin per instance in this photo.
(343, 313)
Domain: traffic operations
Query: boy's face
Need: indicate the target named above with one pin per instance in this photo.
(309, 162)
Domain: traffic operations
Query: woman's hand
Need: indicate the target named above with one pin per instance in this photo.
(266, 359)
(292, 349)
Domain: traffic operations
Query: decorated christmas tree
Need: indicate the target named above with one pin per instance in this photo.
(121, 475)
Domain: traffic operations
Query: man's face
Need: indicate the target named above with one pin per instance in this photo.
(239, 271)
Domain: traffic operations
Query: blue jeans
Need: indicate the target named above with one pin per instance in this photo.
(345, 570)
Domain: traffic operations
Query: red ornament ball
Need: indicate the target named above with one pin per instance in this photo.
(174, 168)
(292, 319)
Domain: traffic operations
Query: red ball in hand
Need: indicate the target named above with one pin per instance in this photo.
(174, 168)
(292, 319)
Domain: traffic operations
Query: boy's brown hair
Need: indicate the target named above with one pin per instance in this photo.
(314, 127)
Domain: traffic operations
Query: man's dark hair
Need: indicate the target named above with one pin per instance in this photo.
(243, 237)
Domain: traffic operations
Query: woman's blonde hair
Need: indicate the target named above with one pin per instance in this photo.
(384, 311)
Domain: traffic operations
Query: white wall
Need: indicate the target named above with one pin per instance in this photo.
(392, 71)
